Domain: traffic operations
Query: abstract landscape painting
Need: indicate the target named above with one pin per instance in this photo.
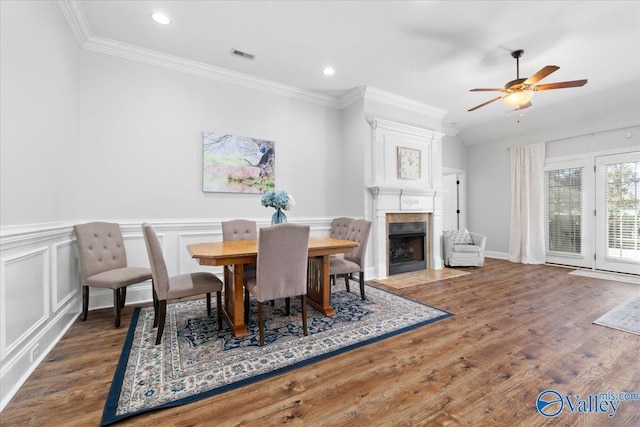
(237, 164)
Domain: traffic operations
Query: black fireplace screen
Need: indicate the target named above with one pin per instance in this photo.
(407, 247)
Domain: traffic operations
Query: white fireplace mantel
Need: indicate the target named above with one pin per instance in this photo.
(398, 199)
(393, 195)
(395, 200)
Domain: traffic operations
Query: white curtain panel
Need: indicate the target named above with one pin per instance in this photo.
(526, 241)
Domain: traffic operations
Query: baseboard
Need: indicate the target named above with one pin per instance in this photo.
(497, 255)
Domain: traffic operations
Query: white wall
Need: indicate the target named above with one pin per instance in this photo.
(38, 112)
(356, 160)
(39, 295)
(141, 131)
(454, 153)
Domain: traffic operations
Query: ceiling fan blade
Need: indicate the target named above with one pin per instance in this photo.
(561, 85)
(487, 90)
(541, 74)
(488, 102)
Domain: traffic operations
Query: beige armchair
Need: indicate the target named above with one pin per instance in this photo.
(281, 270)
(185, 285)
(103, 264)
(463, 248)
(354, 262)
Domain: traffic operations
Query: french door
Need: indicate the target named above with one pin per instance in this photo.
(567, 190)
(617, 236)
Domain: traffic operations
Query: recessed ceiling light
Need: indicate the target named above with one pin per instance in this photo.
(161, 19)
(328, 71)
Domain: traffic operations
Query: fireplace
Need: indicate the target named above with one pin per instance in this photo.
(401, 198)
(407, 247)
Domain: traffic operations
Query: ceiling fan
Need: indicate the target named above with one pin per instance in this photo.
(518, 92)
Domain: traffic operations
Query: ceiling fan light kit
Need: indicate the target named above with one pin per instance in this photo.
(518, 92)
(518, 99)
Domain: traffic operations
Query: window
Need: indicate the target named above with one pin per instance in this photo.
(563, 210)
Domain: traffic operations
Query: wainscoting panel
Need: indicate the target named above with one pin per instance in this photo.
(65, 274)
(24, 297)
(136, 248)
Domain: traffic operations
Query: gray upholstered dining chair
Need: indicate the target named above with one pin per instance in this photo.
(239, 229)
(103, 264)
(184, 285)
(340, 227)
(281, 269)
(354, 262)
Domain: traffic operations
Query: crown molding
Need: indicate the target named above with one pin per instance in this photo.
(353, 96)
(77, 21)
(87, 40)
(374, 94)
(199, 69)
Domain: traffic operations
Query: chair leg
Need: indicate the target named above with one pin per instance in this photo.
(287, 301)
(260, 324)
(116, 307)
(155, 308)
(209, 304)
(246, 305)
(362, 285)
(123, 296)
(162, 312)
(346, 282)
(303, 299)
(219, 309)
(85, 302)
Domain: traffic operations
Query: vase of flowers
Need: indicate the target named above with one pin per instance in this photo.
(281, 201)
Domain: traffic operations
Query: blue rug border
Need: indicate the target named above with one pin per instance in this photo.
(118, 377)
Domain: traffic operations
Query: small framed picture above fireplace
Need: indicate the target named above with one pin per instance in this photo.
(409, 166)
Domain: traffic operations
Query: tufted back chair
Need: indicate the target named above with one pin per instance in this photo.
(358, 232)
(103, 263)
(100, 248)
(239, 229)
(352, 263)
(340, 227)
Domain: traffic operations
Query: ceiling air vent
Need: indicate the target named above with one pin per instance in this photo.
(242, 54)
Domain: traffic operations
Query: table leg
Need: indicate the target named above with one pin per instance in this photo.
(234, 299)
(319, 286)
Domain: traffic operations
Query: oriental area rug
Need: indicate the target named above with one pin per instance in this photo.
(196, 361)
(625, 317)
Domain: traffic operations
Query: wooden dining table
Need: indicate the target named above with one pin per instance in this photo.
(239, 253)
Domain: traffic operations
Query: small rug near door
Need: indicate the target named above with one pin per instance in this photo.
(625, 317)
(414, 278)
(195, 361)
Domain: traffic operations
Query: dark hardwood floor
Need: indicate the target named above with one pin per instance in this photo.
(517, 330)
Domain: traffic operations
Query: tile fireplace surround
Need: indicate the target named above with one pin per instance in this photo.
(391, 205)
